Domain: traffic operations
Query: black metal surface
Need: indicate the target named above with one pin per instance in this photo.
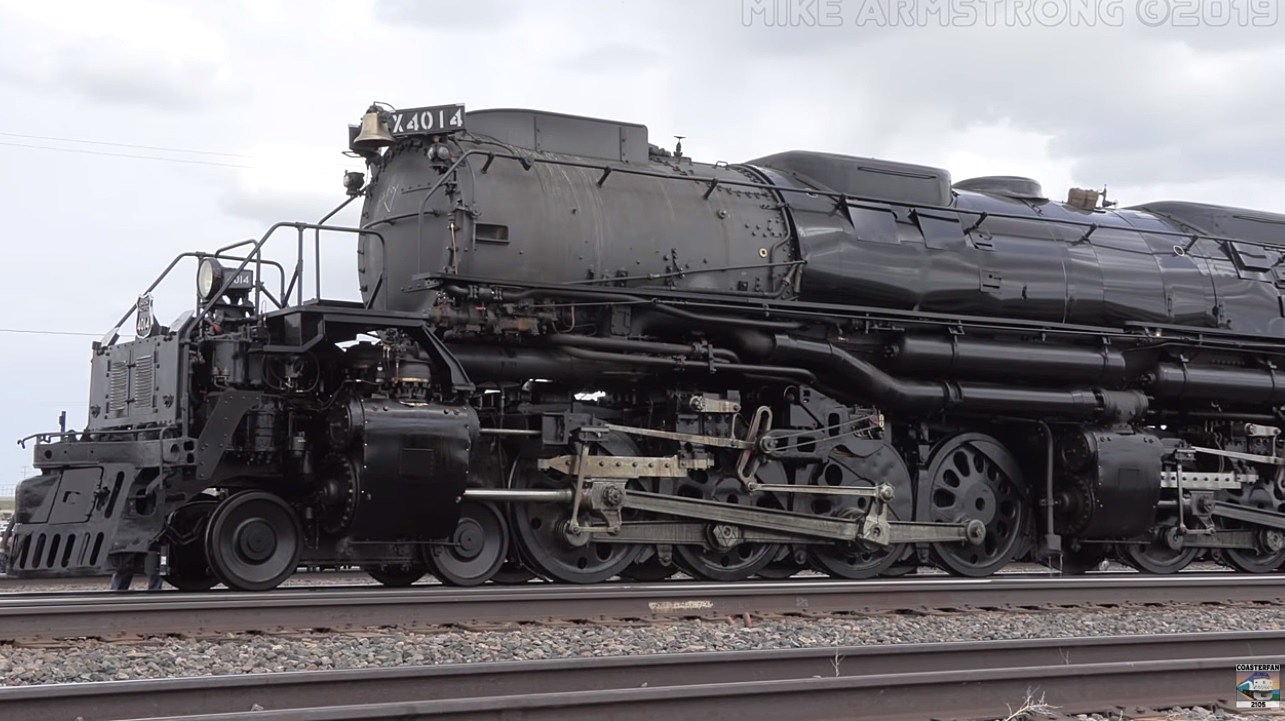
(701, 683)
(627, 283)
(134, 382)
(1029, 259)
(79, 538)
(412, 458)
(229, 409)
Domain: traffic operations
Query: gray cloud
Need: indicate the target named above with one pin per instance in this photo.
(1155, 112)
(266, 207)
(612, 58)
(1127, 102)
(105, 71)
(118, 66)
(473, 15)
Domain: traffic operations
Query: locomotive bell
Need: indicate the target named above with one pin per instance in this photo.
(374, 132)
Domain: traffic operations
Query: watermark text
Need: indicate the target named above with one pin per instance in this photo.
(1008, 13)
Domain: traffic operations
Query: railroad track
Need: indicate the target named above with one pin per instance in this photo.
(11, 584)
(101, 614)
(951, 680)
(8, 582)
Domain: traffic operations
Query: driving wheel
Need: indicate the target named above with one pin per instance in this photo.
(544, 534)
(1268, 554)
(973, 477)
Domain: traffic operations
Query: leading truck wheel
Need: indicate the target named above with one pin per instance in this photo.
(1162, 553)
(253, 541)
(477, 549)
(189, 568)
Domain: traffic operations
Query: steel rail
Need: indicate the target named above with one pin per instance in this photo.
(7, 582)
(14, 584)
(108, 614)
(884, 682)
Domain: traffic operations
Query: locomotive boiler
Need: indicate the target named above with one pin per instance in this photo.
(581, 356)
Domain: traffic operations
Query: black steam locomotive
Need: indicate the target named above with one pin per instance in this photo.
(581, 356)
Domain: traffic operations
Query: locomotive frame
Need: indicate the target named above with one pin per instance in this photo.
(783, 407)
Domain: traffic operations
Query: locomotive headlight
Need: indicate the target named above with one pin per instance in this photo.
(209, 278)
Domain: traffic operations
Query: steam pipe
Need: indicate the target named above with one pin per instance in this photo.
(798, 375)
(997, 360)
(499, 363)
(1243, 386)
(511, 296)
(574, 364)
(640, 346)
(847, 377)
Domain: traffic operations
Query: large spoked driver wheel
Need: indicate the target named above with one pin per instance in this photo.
(975, 478)
(722, 558)
(1268, 555)
(253, 541)
(854, 560)
(543, 532)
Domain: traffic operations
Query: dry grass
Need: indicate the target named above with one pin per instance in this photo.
(1032, 709)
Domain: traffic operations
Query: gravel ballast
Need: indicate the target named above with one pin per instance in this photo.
(92, 660)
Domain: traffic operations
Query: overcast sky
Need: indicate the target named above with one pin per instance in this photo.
(1157, 99)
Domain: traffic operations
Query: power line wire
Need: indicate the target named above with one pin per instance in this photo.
(189, 161)
(49, 332)
(123, 145)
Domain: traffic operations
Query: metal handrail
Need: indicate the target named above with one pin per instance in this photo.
(256, 255)
(110, 336)
(316, 243)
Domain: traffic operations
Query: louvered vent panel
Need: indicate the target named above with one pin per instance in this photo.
(119, 390)
(144, 383)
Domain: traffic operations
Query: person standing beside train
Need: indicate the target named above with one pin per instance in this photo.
(148, 563)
